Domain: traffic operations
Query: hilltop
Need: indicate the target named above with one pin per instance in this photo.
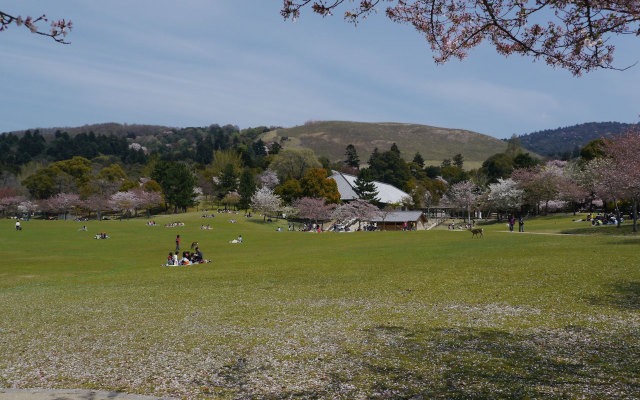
(330, 138)
(569, 139)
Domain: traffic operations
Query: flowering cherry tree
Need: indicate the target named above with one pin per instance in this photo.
(359, 210)
(265, 201)
(624, 169)
(9, 204)
(98, 203)
(541, 184)
(61, 203)
(269, 179)
(131, 200)
(149, 199)
(505, 195)
(27, 207)
(463, 194)
(575, 35)
(58, 28)
(313, 209)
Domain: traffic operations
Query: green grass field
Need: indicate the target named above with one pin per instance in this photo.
(406, 315)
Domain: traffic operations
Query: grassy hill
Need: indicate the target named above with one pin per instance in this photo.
(330, 138)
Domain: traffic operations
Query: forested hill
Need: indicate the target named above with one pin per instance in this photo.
(108, 128)
(330, 138)
(569, 139)
(130, 144)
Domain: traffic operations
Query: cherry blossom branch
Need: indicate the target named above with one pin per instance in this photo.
(574, 35)
(59, 28)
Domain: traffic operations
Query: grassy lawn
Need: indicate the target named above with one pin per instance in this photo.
(349, 315)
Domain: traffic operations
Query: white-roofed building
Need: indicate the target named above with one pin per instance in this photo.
(402, 220)
(387, 194)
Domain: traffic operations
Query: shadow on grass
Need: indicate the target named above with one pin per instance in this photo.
(483, 363)
(394, 362)
(624, 295)
(625, 229)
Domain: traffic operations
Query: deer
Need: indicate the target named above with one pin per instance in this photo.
(475, 232)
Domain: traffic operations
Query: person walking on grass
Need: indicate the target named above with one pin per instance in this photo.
(178, 243)
(521, 224)
(512, 222)
(18, 226)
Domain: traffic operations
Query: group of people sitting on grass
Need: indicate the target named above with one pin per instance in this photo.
(187, 258)
(102, 235)
(603, 219)
(174, 224)
(151, 223)
(205, 226)
(222, 211)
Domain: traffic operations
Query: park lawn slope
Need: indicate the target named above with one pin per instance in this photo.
(347, 315)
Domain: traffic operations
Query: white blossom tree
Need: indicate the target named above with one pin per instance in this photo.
(505, 195)
(27, 207)
(463, 195)
(269, 179)
(127, 201)
(265, 201)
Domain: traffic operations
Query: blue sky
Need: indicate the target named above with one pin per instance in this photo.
(197, 62)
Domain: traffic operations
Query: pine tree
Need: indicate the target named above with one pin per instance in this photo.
(395, 149)
(352, 157)
(458, 160)
(246, 189)
(418, 160)
(228, 180)
(365, 188)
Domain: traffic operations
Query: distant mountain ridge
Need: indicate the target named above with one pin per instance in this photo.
(330, 138)
(106, 128)
(556, 142)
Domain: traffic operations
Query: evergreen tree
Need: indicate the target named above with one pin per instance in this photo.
(389, 167)
(458, 160)
(374, 156)
(514, 145)
(365, 188)
(204, 150)
(418, 160)
(246, 189)
(228, 180)
(275, 148)
(177, 183)
(352, 157)
(259, 148)
(395, 149)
